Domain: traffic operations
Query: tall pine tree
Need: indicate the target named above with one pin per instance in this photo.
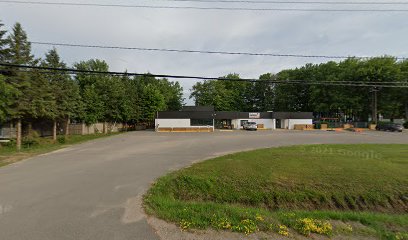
(7, 92)
(65, 91)
(19, 53)
(3, 43)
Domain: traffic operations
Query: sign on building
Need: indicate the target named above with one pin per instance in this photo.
(254, 115)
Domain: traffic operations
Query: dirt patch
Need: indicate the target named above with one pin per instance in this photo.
(7, 159)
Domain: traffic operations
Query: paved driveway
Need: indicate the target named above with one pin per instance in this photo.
(93, 190)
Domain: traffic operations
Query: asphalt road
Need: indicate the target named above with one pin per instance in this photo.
(94, 190)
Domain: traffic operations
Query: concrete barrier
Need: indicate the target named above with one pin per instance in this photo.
(303, 127)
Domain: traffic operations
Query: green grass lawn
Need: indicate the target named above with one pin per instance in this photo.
(315, 188)
(9, 154)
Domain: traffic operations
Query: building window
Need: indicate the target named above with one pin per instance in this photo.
(201, 122)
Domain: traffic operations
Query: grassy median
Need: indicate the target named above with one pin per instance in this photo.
(315, 189)
(36, 146)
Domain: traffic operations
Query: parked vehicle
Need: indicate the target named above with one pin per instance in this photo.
(389, 127)
(250, 126)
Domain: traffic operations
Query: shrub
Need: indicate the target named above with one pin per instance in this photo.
(62, 139)
(33, 139)
(29, 142)
(406, 125)
(11, 143)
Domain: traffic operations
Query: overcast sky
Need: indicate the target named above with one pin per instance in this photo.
(309, 33)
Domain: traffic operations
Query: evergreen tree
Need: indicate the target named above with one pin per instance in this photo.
(64, 89)
(19, 53)
(7, 94)
(7, 91)
(4, 49)
(42, 98)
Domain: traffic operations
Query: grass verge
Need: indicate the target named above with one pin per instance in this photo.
(315, 189)
(9, 154)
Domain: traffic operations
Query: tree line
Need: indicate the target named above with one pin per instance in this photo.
(276, 92)
(28, 95)
(31, 95)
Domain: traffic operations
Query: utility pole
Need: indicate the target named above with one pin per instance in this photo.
(213, 116)
(374, 116)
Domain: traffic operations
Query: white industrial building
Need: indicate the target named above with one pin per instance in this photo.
(207, 119)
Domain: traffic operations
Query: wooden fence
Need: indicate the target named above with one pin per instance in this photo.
(7, 132)
(83, 129)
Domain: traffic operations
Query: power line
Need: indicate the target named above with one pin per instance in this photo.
(289, 81)
(299, 82)
(203, 8)
(203, 51)
(291, 2)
